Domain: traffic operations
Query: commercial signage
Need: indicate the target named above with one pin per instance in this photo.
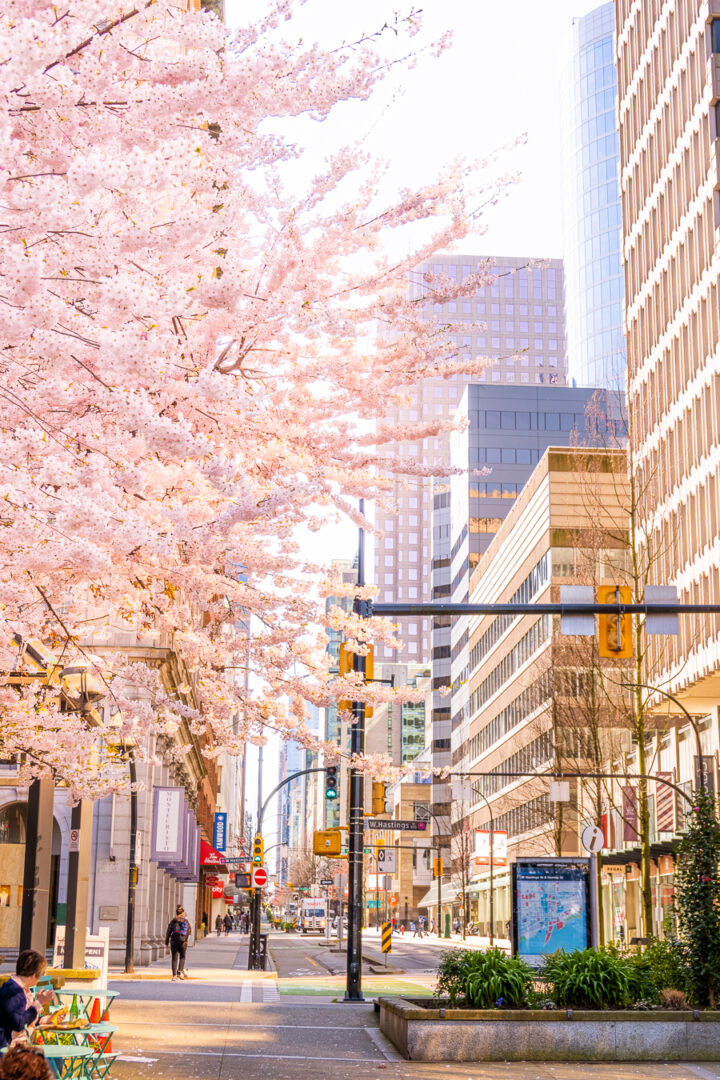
(168, 840)
(396, 826)
(499, 846)
(209, 856)
(217, 892)
(551, 907)
(220, 831)
(97, 952)
(630, 814)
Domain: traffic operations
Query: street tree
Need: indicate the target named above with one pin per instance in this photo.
(191, 368)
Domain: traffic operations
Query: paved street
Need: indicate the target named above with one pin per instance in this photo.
(225, 1023)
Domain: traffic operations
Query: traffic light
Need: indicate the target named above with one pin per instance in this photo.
(437, 868)
(346, 663)
(378, 798)
(331, 782)
(615, 631)
(258, 850)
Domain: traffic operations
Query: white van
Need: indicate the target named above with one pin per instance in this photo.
(313, 915)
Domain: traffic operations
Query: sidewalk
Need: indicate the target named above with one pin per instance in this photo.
(212, 959)
(471, 941)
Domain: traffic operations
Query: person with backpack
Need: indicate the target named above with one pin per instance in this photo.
(177, 935)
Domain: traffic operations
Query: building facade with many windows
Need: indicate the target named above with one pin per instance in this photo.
(668, 56)
(593, 267)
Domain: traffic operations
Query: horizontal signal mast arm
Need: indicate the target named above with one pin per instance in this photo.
(429, 609)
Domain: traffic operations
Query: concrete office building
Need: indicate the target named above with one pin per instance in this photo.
(524, 341)
(668, 58)
(593, 268)
(508, 430)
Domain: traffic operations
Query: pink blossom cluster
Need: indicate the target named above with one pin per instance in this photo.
(187, 364)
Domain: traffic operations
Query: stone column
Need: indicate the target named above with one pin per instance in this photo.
(38, 856)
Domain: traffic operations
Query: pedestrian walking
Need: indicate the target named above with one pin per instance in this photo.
(218, 924)
(402, 928)
(393, 923)
(432, 926)
(227, 923)
(417, 928)
(206, 923)
(177, 935)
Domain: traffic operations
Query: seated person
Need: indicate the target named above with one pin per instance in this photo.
(24, 1062)
(17, 1008)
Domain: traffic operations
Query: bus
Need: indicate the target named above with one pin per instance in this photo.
(313, 915)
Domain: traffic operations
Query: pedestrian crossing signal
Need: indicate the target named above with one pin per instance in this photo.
(258, 850)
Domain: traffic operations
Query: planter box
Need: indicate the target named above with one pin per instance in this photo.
(435, 1034)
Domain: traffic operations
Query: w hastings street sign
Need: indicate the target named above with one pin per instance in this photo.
(396, 826)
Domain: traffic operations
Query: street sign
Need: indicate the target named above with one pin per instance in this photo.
(593, 839)
(386, 860)
(74, 844)
(393, 901)
(386, 938)
(396, 826)
(326, 881)
(259, 877)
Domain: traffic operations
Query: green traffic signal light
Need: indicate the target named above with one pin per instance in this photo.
(331, 782)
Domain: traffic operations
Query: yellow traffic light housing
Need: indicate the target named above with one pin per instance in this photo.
(378, 798)
(437, 868)
(346, 664)
(615, 638)
(327, 842)
(258, 850)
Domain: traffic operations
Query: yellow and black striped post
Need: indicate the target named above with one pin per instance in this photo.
(386, 939)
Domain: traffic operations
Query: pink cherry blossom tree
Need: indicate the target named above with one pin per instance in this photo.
(190, 362)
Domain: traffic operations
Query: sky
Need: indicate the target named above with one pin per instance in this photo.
(505, 75)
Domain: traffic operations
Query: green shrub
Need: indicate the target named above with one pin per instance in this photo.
(589, 979)
(697, 900)
(496, 980)
(668, 963)
(450, 971)
(483, 980)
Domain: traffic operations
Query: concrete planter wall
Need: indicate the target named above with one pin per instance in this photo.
(436, 1034)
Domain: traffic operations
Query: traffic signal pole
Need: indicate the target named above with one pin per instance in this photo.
(353, 986)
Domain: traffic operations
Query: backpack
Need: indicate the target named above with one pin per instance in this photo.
(179, 930)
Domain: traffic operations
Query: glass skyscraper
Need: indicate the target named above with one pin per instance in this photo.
(593, 270)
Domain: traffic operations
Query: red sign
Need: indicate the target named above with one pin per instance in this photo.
(209, 856)
(393, 901)
(259, 877)
(217, 892)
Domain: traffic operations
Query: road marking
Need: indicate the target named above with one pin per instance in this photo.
(271, 1057)
(386, 1048)
(313, 962)
(246, 992)
(251, 1027)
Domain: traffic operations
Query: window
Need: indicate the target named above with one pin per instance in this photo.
(538, 343)
(389, 579)
(510, 343)
(495, 310)
(552, 421)
(389, 559)
(412, 593)
(466, 307)
(715, 34)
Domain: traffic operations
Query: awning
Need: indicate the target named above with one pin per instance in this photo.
(634, 855)
(210, 857)
(449, 894)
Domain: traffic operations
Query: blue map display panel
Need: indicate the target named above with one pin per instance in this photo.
(551, 907)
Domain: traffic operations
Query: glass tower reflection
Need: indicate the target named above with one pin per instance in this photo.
(593, 271)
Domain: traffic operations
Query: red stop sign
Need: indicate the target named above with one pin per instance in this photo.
(259, 877)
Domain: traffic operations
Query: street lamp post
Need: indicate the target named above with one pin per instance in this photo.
(691, 720)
